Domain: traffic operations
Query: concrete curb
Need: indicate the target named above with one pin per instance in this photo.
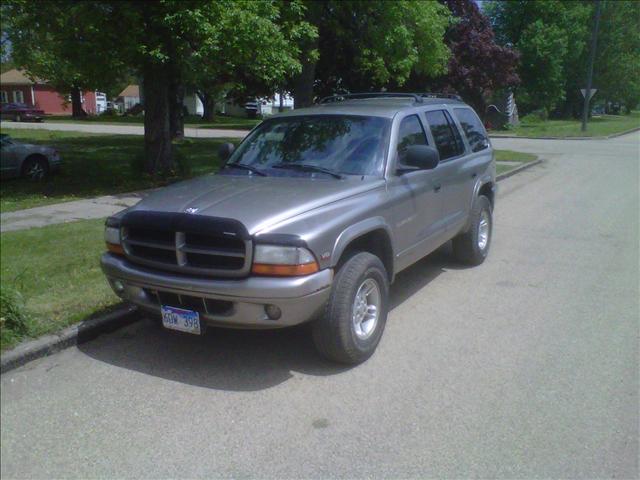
(92, 328)
(606, 137)
(519, 169)
(73, 335)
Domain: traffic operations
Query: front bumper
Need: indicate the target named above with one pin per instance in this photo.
(300, 299)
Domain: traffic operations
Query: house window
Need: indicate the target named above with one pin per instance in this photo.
(5, 97)
(18, 96)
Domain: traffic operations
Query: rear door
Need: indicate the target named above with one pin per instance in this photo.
(455, 172)
(417, 208)
(480, 157)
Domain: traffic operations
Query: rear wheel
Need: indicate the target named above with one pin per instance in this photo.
(353, 321)
(35, 168)
(472, 246)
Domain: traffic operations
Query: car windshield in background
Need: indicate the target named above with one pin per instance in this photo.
(329, 145)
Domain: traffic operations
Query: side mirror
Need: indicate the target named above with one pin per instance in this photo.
(225, 150)
(419, 157)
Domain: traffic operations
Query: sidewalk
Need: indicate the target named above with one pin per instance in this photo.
(69, 211)
(190, 132)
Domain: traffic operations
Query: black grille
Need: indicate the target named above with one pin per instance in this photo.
(187, 243)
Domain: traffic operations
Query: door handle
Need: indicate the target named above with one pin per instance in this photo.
(437, 187)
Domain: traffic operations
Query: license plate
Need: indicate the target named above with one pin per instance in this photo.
(181, 319)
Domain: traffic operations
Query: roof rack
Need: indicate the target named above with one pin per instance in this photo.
(452, 96)
(418, 97)
(345, 96)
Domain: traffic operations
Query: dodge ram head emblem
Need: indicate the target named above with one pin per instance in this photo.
(192, 210)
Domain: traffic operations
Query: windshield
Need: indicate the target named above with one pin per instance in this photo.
(340, 144)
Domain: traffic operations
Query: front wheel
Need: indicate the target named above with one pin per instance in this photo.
(353, 321)
(35, 168)
(472, 246)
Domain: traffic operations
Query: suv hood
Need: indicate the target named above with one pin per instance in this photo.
(257, 202)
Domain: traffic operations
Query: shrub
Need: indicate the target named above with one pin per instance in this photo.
(536, 116)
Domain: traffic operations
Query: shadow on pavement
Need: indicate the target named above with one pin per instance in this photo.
(238, 360)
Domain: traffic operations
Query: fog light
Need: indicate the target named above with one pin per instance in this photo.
(118, 286)
(273, 312)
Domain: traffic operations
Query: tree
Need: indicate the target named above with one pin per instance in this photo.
(552, 38)
(478, 66)
(165, 43)
(617, 66)
(369, 45)
(53, 41)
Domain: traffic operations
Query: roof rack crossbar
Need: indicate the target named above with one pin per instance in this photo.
(345, 96)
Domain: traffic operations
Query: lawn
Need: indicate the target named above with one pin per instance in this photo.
(598, 126)
(511, 156)
(97, 164)
(221, 122)
(56, 271)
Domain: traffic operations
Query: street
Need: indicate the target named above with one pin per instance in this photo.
(524, 367)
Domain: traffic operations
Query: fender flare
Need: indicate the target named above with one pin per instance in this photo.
(357, 230)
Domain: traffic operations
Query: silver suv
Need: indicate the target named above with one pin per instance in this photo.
(310, 219)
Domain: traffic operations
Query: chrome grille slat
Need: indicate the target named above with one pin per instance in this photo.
(213, 251)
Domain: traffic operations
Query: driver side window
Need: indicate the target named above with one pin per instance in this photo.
(410, 133)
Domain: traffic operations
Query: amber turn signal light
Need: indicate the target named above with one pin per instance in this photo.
(284, 270)
(114, 248)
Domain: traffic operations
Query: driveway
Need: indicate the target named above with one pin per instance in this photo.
(191, 132)
(526, 366)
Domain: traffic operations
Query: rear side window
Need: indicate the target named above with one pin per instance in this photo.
(445, 134)
(410, 133)
(473, 129)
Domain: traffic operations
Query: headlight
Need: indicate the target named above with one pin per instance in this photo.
(112, 236)
(276, 260)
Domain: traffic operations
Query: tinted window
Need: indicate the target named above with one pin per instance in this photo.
(445, 134)
(473, 128)
(343, 144)
(409, 133)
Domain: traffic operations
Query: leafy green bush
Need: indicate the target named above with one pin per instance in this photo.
(15, 324)
(536, 116)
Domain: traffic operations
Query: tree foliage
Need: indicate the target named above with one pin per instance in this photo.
(368, 45)
(552, 37)
(478, 65)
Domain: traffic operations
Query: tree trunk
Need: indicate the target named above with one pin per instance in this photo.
(76, 103)
(208, 106)
(281, 96)
(157, 131)
(176, 107)
(302, 84)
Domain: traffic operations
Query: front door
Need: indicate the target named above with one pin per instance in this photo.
(417, 208)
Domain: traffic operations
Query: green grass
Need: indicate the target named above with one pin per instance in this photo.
(220, 122)
(598, 126)
(511, 156)
(56, 271)
(96, 164)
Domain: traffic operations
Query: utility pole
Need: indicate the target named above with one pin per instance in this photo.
(592, 57)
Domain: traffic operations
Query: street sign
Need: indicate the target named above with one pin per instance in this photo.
(591, 93)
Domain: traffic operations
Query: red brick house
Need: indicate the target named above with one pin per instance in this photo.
(15, 86)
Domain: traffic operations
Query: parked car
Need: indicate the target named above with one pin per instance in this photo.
(311, 219)
(20, 112)
(23, 160)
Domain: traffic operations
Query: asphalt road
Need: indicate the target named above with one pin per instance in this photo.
(524, 367)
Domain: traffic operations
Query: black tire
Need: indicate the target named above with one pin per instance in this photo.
(466, 247)
(335, 332)
(35, 168)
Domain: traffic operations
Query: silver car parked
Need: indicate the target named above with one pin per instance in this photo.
(24, 160)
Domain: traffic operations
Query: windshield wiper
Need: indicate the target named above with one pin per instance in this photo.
(307, 167)
(246, 167)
